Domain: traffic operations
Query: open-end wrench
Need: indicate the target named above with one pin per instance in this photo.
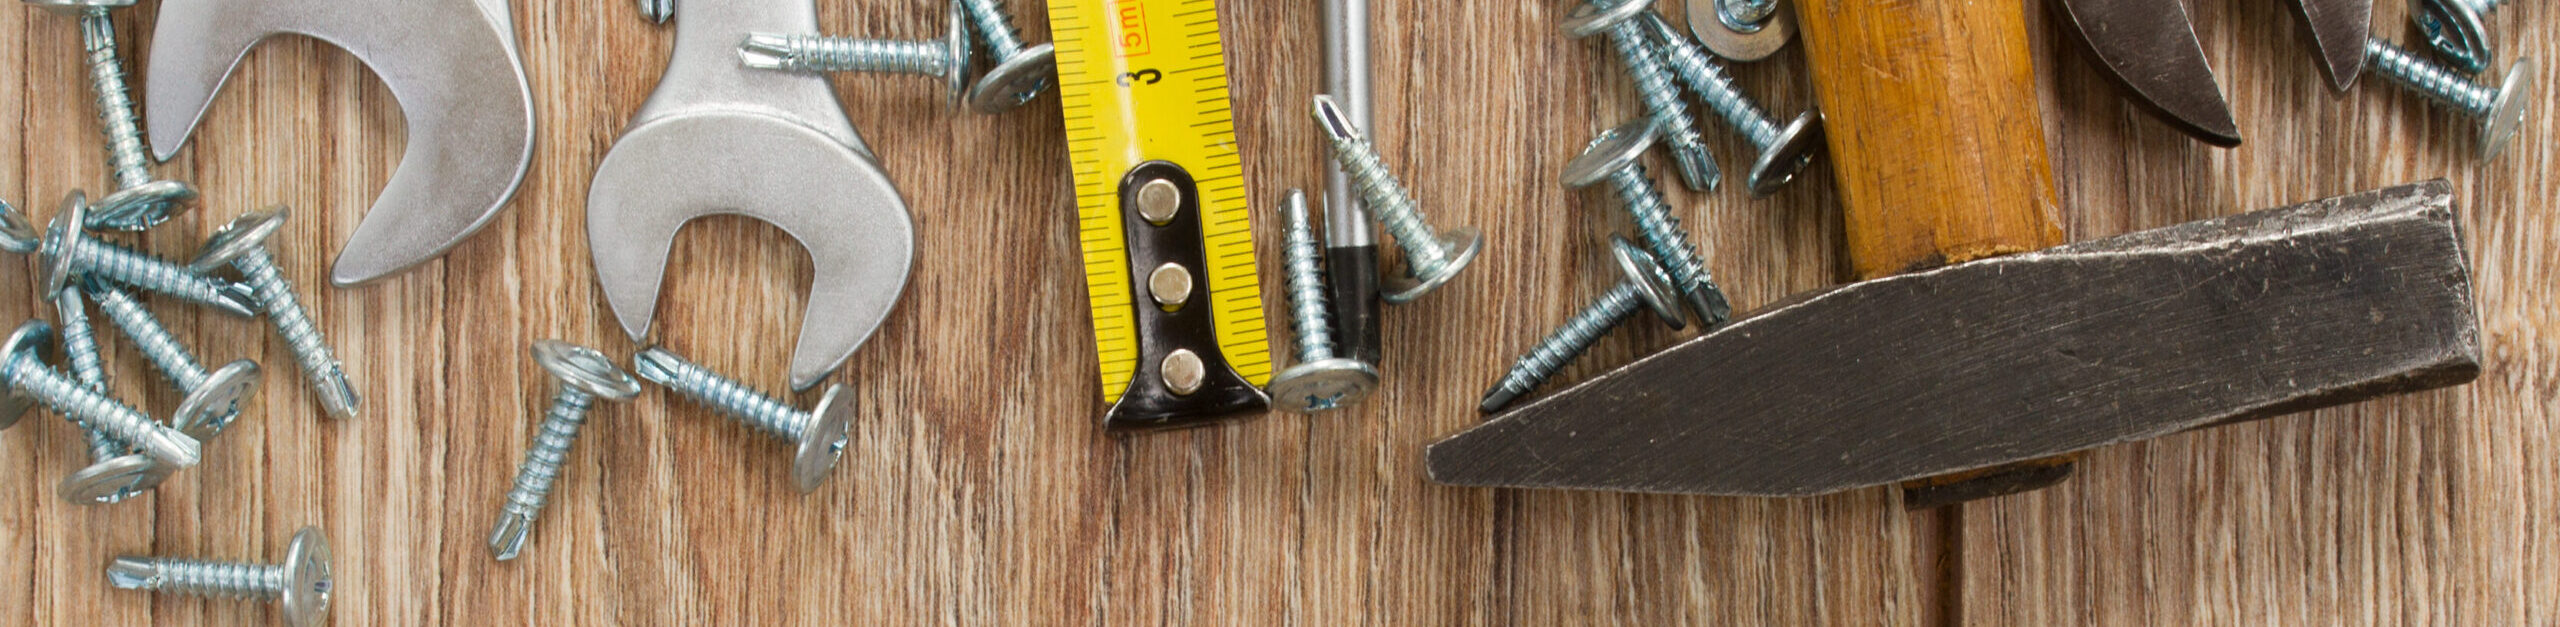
(453, 65)
(718, 138)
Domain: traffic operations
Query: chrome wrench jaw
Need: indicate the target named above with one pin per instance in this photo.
(468, 104)
(719, 139)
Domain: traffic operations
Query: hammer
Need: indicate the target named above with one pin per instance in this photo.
(1977, 354)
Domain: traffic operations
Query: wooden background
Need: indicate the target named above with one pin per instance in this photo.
(978, 490)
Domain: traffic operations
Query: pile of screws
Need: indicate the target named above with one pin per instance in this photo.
(1019, 75)
(131, 451)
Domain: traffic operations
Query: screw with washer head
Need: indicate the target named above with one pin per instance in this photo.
(115, 472)
(300, 586)
(1645, 284)
(69, 253)
(1784, 151)
(32, 381)
(1020, 73)
(1321, 381)
(1612, 157)
(2456, 29)
(2499, 110)
(820, 432)
(585, 375)
(1653, 82)
(948, 58)
(242, 244)
(140, 202)
(1430, 259)
(213, 397)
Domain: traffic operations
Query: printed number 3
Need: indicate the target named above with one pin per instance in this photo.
(1140, 77)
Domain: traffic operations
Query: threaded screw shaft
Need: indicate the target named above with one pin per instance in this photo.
(80, 349)
(98, 258)
(1550, 355)
(539, 471)
(116, 117)
(1309, 314)
(1669, 242)
(207, 578)
(1707, 77)
(95, 410)
(729, 397)
(820, 53)
(293, 323)
(2434, 81)
(995, 27)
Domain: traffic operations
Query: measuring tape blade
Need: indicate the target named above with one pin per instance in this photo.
(1152, 142)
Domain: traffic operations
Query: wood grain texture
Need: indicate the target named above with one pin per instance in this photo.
(978, 489)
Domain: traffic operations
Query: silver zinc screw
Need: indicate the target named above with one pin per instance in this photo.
(1784, 151)
(1020, 73)
(31, 380)
(69, 253)
(299, 587)
(115, 473)
(1321, 381)
(585, 375)
(213, 397)
(140, 202)
(819, 433)
(657, 10)
(1613, 158)
(1653, 81)
(2457, 30)
(2500, 110)
(242, 244)
(1645, 285)
(947, 58)
(1430, 259)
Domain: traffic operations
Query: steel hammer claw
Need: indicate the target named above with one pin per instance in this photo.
(452, 64)
(718, 138)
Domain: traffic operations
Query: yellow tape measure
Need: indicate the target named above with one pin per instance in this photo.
(1144, 83)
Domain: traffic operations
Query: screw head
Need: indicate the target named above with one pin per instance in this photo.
(2507, 112)
(1651, 282)
(211, 408)
(115, 479)
(1015, 80)
(2457, 31)
(242, 235)
(1592, 18)
(585, 369)
(955, 41)
(1794, 148)
(143, 206)
(63, 237)
(823, 442)
(29, 339)
(1323, 385)
(1615, 149)
(1734, 36)
(307, 580)
(1461, 245)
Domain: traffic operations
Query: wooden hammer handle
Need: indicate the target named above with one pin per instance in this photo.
(1935, 136)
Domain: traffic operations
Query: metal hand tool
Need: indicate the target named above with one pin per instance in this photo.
(1351, 245)
(1742, 30)
(719, 138)
(1977, 358)
(452, 64)
(2149, 48)
(300, 586)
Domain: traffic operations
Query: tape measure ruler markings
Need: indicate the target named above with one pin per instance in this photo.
(1149, 130)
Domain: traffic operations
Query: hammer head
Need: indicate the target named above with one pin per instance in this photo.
(2017, 358)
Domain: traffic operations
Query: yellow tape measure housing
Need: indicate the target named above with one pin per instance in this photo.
(1146, 80)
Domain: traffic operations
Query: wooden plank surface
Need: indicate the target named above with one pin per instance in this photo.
(977, 490)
